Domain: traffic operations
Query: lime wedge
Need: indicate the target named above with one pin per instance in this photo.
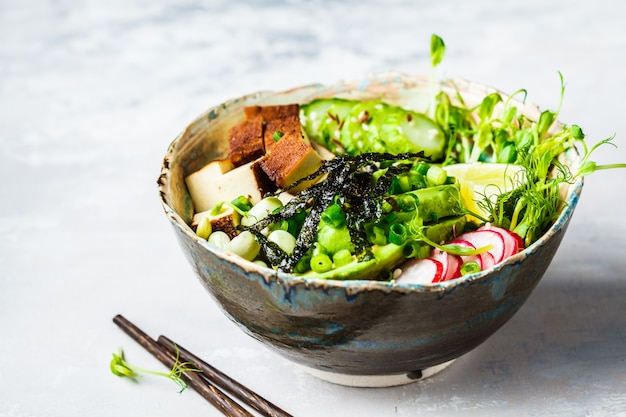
(480, 181)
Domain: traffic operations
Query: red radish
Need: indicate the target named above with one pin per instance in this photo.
(421, 271)
(482, 238)
(454, 267)
(442, 257)
(511, 240)
(468, 258)
(442, 266)
(487, 260)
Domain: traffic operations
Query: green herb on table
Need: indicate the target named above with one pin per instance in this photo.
(121, 368)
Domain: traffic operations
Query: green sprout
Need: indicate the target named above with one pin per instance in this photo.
(437, 51)
(121, 368)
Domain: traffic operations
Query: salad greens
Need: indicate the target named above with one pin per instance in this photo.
(481, 134)
(378, 208)
(386, 196)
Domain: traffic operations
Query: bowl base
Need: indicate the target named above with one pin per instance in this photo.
(376, 381)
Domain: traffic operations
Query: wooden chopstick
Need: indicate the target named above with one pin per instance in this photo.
(225, 382)
(205, 388)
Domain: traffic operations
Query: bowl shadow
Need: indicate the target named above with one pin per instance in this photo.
(566, 344)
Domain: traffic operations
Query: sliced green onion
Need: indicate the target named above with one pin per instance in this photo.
(470, 268)
(277, 135)
(436, 175)
(321, 263)
(397, 233)
(421, 168)
(334, 216)
(377, 174)
(403, 183)
(242, 203)
(217, 209)
(416, 180)
(386, 207)
(342, 257)
(417, 250)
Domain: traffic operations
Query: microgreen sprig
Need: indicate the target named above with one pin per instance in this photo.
(482, 134)
(588, 167)
(437, 50)
(121, 368)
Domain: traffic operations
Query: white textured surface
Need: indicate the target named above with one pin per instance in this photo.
(91, 94)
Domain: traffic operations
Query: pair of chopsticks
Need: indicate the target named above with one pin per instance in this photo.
(207, 382)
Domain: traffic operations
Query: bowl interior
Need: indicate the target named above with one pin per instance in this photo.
(205, 139)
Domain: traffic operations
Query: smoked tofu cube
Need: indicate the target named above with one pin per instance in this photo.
(226, 221)
(272, 112)
(290, 160)
(208, 186)
(287, 126)
(264, 183)
(246, 141)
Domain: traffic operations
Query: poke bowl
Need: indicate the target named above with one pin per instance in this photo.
(361, 330)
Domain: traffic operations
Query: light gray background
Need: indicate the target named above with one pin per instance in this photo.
(91, 94)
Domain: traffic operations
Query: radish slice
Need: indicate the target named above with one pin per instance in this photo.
(421, 271)
(511, 240)
(482, 238)
(442, 257)
(468, 258)
(454, 267)
(451, 264)
(454, 263)
(487, 260)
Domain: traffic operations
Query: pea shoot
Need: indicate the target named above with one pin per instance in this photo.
(437, 50)
(495, 131)
(121, 368)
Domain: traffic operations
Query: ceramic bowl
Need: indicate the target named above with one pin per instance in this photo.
(359, 333)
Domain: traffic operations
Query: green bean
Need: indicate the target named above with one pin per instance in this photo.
(260, 263)
(244, 245)
(204, 229)
(219, 238)
(261, 210)
(285, 240)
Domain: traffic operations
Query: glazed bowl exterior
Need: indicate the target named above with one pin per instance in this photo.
(358, 328)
